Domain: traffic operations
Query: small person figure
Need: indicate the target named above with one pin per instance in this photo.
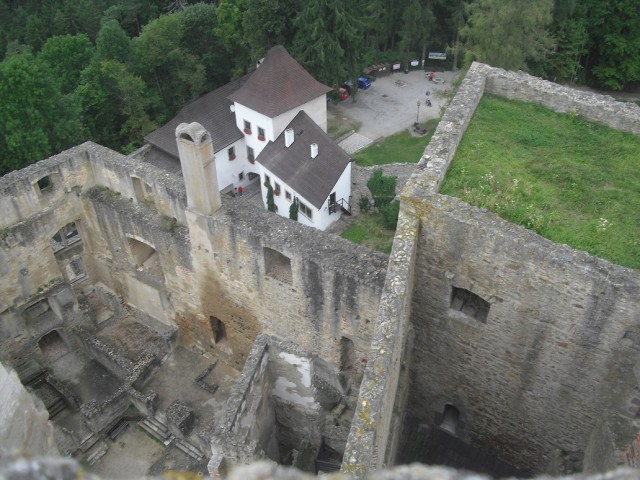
(428, 92)
(428, 103)
(240, 190)
(431, 75)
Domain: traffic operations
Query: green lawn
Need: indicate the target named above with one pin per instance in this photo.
(367, 230)
(399, 148)
(569, 179)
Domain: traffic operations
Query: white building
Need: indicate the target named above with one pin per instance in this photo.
(250, 115)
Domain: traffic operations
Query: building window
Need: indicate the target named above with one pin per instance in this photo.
(44, 184)
(267, 180)
(65, 236)
(250, 156)
(277, 265)
(305, 210)
(241, 176)
(470, 304)
(232, 153)
(276, 190)
(247, 127)
(287, 195)
(261, 133)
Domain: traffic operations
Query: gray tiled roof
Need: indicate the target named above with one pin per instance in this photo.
(314, 179)
(211, 111)
(278, 85)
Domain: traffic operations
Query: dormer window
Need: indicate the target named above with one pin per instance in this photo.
(247, 127)
(261, 136)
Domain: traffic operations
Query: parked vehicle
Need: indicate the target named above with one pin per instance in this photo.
(344, 94)
(363, 83)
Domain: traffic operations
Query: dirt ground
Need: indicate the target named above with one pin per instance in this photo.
(391, 104)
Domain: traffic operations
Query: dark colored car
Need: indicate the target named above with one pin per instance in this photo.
(363, 83)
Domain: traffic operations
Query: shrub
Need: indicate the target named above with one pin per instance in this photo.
(364, 203)
(271, 206)
(383, 189)
(390, 215)
(293, 210)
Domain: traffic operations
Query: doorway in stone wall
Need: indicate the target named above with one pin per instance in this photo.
(346, 363)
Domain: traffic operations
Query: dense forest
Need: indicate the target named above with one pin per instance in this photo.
(111, 71)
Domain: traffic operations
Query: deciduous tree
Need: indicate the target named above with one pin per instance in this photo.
(36, 119)
(508, 34)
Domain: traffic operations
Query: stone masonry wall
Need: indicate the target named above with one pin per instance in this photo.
(204, 267)
(558, 349)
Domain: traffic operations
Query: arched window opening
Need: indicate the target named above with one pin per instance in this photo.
(66, 236)
(450, 419)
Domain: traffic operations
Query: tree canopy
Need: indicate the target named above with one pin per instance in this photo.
(111, 70)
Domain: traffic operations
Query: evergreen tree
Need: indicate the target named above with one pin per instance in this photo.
(293, 209)
(271, 206)
(329, 40)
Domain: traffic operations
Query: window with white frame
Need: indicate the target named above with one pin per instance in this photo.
(307, 212)
(287, 195)
(260, 133)
(247, 127)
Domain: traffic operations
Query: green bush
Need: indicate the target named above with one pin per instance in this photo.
(383, 189)
(271, 206)
(390, 215)
(364, 203)
(293, 209)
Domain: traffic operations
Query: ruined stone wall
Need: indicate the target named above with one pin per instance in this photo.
(558, 348)
(24, 425)
(184, 269)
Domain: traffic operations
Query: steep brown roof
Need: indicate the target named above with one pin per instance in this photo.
(313, 178)
(278, 85)
(211, 111)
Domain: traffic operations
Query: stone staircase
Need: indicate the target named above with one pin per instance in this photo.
(189, 449)
(156, 429)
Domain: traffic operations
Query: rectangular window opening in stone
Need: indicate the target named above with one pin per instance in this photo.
(470, 304)
(64, 237)
(75, 269)
(277, 265)
(44, 184)
(347, 361)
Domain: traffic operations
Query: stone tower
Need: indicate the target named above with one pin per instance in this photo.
(198, 168)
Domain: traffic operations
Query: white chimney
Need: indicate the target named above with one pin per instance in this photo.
(288, 137)
(314, 150)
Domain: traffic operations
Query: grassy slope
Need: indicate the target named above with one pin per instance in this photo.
(571, 180)
(367, 230)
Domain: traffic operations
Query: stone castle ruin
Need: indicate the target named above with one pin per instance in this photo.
(132, 294)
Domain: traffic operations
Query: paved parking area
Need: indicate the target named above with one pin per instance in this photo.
(391, 104)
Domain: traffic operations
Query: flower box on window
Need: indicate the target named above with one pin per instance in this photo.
(276, 192)
(261, 138)
(247, 131)
(232, 157)
(252, 160)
